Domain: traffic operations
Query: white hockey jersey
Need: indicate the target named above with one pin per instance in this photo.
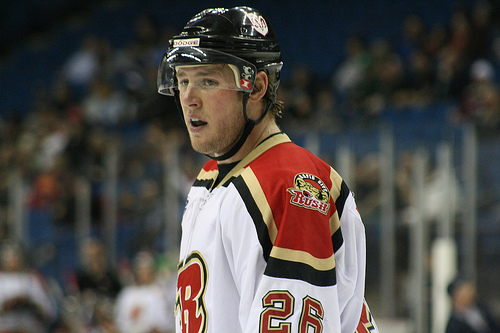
(141, 309)
(277, 246)
(25, 303)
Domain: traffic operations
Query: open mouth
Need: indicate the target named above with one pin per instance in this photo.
(197, 122)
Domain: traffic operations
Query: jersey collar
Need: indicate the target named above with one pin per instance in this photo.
(268, 143)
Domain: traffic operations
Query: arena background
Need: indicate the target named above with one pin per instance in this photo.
(402, 97)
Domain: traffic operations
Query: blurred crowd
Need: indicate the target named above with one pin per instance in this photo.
(98, 297)
(459, 62)
(104, 97)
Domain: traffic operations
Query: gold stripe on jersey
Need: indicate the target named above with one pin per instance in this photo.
(334, 223)
(207, 175)
(261, 148)
(335, 193)
(260, 200)
(336, 184)
(303, 257)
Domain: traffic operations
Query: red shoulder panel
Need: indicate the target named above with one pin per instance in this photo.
(296, 184)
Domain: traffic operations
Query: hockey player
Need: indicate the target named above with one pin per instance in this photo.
(271, 237)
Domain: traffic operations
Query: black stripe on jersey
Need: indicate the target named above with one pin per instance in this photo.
(299, 271)
(340, 201)
(206, 183)
(229, 181)
(258, 220)
(337, 240)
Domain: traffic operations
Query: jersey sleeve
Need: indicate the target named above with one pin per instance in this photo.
(350, 263)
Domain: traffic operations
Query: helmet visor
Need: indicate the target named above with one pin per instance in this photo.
(167, 81)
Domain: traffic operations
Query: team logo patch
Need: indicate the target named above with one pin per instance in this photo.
(310, 192)
(258, 23)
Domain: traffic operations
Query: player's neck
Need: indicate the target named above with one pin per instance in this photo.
(260, 132)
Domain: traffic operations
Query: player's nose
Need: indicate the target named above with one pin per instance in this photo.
(189, 96)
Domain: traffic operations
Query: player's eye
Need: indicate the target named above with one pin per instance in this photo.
(209, 83)
(183, 83)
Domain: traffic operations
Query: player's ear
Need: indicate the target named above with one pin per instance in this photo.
(259, 87)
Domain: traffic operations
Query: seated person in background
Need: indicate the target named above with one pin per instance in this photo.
(143, 307)
(25, 303)
(94, 286)
(96, 278)
(468, 315)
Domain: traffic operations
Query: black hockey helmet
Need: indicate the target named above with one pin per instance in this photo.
(239, 36)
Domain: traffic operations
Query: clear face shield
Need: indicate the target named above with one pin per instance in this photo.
(178, 57)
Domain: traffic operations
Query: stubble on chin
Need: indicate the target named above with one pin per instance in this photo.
(216, 146)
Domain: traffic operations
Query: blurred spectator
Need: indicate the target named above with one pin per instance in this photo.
(26, 305)
(451, 73)
(367, 177)
(82, 66)
(414, 36)
(77, 150)
(52, 178)
(403, 183)
(45, 191)
(96, 278)
(460, 32)
(326, 115)
(53, 141)
(299, 107)
(418, 87)
(146, 36)
(350, 73)
(468, 314)
(435, 40)
(62, 99)
(437, 191)
(384, 79)
(481, 98)
(94, 288)
(453, 58)
(105, 105)
(143, 307)
(481, 30)
(441, 192)
(387, 69)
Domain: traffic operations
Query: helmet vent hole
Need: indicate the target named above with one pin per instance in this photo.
(195, 30)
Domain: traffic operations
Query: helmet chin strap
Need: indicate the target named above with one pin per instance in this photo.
(249, 125)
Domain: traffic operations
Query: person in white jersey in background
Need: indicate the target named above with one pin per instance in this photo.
(26, 304)
(141, 307)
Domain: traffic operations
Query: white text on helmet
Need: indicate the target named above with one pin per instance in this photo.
(186, 42)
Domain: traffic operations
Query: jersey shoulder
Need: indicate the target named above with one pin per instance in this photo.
(291, 195)
(290, 171)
